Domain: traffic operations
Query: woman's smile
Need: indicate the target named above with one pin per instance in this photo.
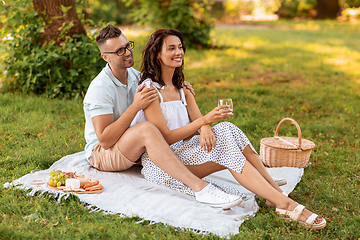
(178, 59)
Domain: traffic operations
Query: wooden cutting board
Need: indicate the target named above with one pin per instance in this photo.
(79, 192)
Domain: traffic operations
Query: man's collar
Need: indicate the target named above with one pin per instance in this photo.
(116, 81)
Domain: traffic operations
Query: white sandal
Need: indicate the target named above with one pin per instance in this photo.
(296, 213)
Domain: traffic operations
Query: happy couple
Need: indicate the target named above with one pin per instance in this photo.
(115, 100)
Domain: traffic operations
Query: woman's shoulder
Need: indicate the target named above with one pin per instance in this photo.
(187, 92)
(149, 82)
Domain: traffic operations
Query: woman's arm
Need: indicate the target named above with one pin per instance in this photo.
(215, 115)
(207, 138)
(154, 114)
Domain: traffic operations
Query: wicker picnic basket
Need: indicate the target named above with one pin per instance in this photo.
(286, 151)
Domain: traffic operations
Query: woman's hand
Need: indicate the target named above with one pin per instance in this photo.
(207, 138)
(218, 114)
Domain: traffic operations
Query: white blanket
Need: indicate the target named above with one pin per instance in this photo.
(130, 194)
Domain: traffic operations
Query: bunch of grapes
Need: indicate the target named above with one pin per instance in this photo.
(58, 178)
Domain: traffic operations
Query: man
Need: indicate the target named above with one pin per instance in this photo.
(110, 105)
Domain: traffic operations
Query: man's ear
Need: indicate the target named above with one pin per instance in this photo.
(105, 57)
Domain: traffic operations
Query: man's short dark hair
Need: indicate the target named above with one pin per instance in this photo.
(107, 32)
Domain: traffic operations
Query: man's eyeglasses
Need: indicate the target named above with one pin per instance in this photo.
(122, 51)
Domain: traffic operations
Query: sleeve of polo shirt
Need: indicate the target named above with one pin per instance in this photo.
(99, 101)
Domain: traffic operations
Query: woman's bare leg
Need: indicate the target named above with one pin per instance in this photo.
(253, 180)
(256, 162)
(250, 178)
(253, 159)
(205, 169)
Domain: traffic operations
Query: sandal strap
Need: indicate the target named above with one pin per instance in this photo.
(311, 219)
(295, 214)
(281, 211)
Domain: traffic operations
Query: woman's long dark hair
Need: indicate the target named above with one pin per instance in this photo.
(151, 66)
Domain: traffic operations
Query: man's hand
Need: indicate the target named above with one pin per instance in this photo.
(188, 86)
(144, 96)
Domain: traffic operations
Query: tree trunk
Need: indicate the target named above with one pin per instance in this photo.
(52, 8)
(327, 9)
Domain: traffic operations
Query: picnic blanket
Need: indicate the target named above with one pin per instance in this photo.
(129, 194)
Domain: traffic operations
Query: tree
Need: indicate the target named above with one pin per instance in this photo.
(63, 66)
(327, 9)
(59, 15)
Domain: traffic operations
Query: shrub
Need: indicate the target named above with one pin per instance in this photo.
(63, 71)
(188, 16)
(351, 13)
(297, 8)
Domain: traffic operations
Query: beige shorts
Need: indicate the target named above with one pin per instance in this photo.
(111, 160)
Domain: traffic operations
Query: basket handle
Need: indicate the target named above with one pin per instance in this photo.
(297, 127)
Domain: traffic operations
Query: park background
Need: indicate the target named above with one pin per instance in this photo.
(275, 59)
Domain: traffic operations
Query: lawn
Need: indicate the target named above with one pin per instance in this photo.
(309, 71)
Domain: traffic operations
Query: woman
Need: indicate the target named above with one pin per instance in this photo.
(224, 146)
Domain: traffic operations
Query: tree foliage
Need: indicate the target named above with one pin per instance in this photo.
(315, 8)
(297, 8)
(352, 3)
(117, 11)
(188, 16)
(57, 70)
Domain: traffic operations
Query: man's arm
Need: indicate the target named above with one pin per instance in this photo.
(109, 131)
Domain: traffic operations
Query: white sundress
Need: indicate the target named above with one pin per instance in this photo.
(230, 142)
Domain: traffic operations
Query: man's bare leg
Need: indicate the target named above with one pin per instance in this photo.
(145, 136)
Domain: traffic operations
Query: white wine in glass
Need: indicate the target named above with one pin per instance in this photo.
(226, 101)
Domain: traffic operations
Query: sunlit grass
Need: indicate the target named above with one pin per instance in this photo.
(309, 72)
(311, 25)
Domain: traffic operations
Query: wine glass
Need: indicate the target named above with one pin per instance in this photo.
(226, 101)
(37, 177)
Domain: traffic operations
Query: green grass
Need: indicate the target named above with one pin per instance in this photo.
(309, 71)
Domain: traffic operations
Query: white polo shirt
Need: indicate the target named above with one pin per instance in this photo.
(107, 95)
